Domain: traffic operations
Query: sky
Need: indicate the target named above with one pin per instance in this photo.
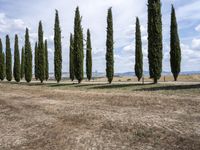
(16, 15)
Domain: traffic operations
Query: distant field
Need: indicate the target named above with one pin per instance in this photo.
(96, 115)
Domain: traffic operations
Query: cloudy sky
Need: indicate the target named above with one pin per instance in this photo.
(16, 15)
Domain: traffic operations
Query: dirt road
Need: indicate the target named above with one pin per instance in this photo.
(42, 118)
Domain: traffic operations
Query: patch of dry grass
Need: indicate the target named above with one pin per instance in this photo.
(86, 116)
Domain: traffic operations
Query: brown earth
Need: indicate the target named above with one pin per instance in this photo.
(45, 118)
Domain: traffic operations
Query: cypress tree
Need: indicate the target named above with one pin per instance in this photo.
(89, 57)
(71, 57)
(58, 49)
(175, 51)
(28, 58)
(36, 61)
(16, 70)
(109, 47)
(22, 62)
(78, 47)
(8, 59)
(46, 61)
(138, 51)
(41, 54)
(2, 63)
(155, 39)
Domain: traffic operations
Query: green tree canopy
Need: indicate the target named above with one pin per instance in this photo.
(109, 47)
(41, 54)
(2, 62)
(89, 57)
(28, 58)
(138, 51)
(58, 49)
(36, 61)
(71, 58)
(22, 62)
(46, 61)
(155, 55)
(175, 52)
(16, 70)
(8, 59)
(78, 47)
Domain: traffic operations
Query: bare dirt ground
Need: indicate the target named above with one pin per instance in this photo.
(62, 117)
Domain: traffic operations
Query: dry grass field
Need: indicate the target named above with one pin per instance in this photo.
(99, 116)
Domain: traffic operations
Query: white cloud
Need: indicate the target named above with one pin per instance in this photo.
(198, 28)
(189, 11)
(8, 25)
(196, 44)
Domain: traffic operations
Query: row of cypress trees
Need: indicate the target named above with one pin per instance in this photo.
(155, 46)
(77, 50)
(24, 69)
(76, 54)
(19, 70)
(41, 57)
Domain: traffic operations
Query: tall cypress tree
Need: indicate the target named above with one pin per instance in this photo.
(175, 52)
(36, 61)
(58, 49)
(71, 57)
(78, 47)
(28, 58)
(89, 57)
(138, 51)
(16, 69)
(2, 63)
(8, 59)
(4, 60)
(109, 47)
(155, 39)
(46, 61)
(22, 62)
(41, 54)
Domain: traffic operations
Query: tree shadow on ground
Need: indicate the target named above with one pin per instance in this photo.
(38, 83)
(88, 85)
(170, 87)
(24, 83)
(60, 84)
(118, 86)
(96, 86)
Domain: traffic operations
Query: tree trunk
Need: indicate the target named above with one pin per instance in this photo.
(155, 80)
